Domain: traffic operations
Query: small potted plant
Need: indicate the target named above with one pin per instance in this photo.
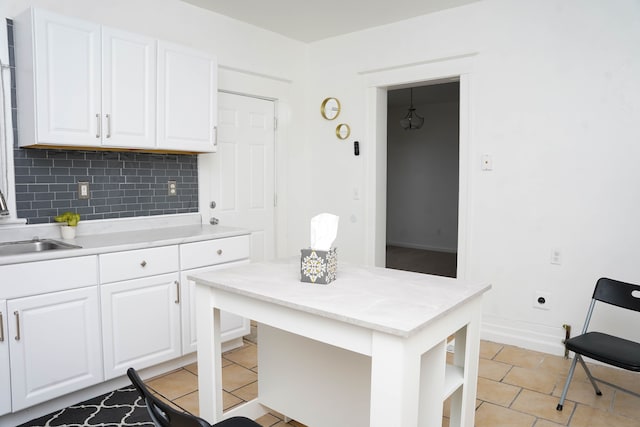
(68, 230)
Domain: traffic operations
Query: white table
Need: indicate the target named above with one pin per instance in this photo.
(369, 349)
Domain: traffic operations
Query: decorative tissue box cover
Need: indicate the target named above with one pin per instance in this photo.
(318, 266)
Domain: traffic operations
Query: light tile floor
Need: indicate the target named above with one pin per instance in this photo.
(516, 388)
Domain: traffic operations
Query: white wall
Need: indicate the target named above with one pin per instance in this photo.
(554, 98)
(422, 178)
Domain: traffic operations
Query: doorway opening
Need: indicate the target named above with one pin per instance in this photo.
(423, 179)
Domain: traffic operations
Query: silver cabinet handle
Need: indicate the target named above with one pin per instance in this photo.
(143, 263)
(215, 136)
(177, 291)
(108, 125)
(219, 251)
(1, 328)
(98, 125)
(15, 313)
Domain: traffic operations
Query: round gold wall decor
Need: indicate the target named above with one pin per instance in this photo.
(343, 131)
(330, 108)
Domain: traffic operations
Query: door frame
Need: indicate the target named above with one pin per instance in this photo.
(377, 83)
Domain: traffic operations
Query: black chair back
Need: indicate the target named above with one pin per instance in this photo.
(621, 294)
(162, 414)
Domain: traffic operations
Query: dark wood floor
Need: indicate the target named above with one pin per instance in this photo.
(421, 261)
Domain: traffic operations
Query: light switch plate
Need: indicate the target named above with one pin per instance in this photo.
(83, 190)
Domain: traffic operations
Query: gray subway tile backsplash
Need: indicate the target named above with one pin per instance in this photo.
(122, 184)
(44, 190)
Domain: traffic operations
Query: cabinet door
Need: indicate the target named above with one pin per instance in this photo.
(54, 345)
(187, 99)
(140, 323)
(231, 325)
(128, 89)
(67, 80)
(5, 377)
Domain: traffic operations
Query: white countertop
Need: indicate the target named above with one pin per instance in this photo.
(391, 301)
(92, 244)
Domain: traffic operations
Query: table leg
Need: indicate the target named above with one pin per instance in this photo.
(395, 382)
(466, 355)
(209, 356)
(432, 384)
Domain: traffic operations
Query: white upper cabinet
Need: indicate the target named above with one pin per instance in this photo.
(128, 89)
(58, 80)
(89, 86)
(187, 98)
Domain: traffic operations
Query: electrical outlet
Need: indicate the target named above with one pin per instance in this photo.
(83, 190)
(556, 256)
(487, 162)
(173, 188)
(542, 300)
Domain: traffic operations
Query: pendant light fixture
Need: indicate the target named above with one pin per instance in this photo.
(412, 120)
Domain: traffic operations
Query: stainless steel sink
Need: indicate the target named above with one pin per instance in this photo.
(33, 246)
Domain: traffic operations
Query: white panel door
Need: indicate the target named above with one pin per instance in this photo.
(140, 323)
(5, 376)
(243, 173)
(55, 345)
(187, 98)
(67, 55)
(129, 89)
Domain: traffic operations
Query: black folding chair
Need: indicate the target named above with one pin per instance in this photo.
(603, 347)
(164, 415)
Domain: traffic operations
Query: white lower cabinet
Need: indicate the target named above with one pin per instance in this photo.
(210, 255)
(140, 323)
(232, 326)
(5, 376)
(75, 322)
(54, 345)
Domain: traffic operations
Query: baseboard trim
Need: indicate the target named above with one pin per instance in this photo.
(531, 336)
(422, 247)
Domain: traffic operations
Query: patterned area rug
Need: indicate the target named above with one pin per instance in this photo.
(122, 407)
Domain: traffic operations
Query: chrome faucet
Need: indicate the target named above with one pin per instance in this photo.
(4, 209)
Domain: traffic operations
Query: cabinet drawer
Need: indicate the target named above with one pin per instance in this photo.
(32, 278)
(138, 263)
(211, 252)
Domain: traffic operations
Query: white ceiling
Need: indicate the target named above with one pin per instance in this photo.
(312, 20)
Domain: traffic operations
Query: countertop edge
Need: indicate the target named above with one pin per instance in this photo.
(98, 244)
